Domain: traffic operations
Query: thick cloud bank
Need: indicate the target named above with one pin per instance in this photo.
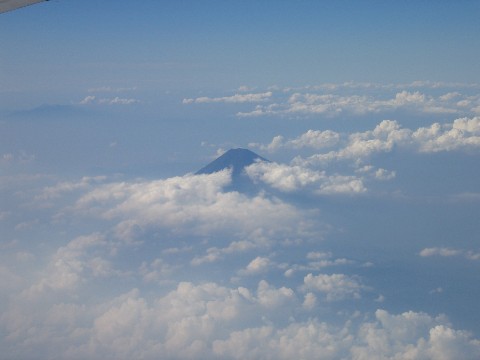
(213, 321)
(181, 268)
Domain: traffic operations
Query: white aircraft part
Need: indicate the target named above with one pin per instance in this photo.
(7, 5)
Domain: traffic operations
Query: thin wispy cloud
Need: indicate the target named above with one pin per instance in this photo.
(237, 98)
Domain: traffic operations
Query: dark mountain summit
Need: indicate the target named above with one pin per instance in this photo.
(237, 160)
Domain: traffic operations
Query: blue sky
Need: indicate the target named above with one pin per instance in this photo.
(361, 240)
(215, 44)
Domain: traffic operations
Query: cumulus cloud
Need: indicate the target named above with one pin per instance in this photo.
(308, 104)
(189, 205)
(214, 321)
(461, 134)
(314, 139)
(181, 268)
(72, 307)
(334, 287)
(59, 189)
(416, 335)
(292, 178)
(256, 266)
(70, 264)
(314, 172)
(354, 99)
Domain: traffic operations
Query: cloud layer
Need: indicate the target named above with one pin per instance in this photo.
(356, 99)
(182, 267)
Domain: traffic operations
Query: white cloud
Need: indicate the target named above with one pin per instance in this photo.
(450, 96)
(88, 100)
(190, 205)
(310, 301)
(448, 252)
(68, 266)
(112, 89)
(439, 251)
(461, 134)
(307, 104)
(91, 99)
(293, 178)
(382, 174)
(57, 190)
(155, 271)
(130, 291)
(256, 266)
(335, 286)
(314, 139)
(237, 98)
(208, 320)
(406, 336)
(22, 157)
(350, 98)
(413, 335)
(283, 177)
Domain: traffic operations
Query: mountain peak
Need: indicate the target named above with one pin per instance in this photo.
(237, 159)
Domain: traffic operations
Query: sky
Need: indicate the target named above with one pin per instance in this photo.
(360, 241)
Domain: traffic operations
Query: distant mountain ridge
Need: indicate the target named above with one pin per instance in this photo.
(237, 160)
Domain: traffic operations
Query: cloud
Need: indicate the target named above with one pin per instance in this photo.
(235, 247)
(317, 261)
(355, 99)
(415, 335)
(448, 252)
(462, 134)
(155, 271)
(409, 335)
(237, 98)
(182, 268)
(21, 157)
(319, 173)
(314, 139)
(293, 178)
(100, 296)
(209, 321)
(109, 89)
(118, 101)
(307, 104)
(59, 189)
(192, 204)
(93, 100)
(382, 174)
(70, 264)
(88, 100)
(335, 286)
(256, 266)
